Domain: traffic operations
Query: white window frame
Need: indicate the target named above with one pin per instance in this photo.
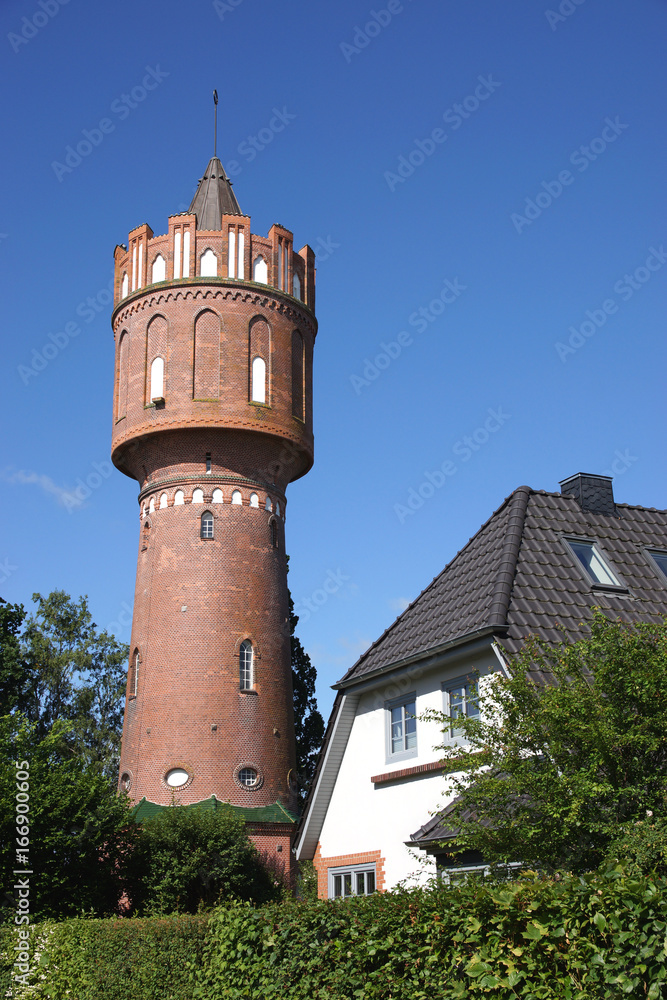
(353, 871)
(208, 520)
(405, 754)
(465, 681)
(598, 551)
(246, 669)
(445, 874)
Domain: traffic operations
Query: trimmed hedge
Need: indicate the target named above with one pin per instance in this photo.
(136, 959)
(598, 936)
(573, 939)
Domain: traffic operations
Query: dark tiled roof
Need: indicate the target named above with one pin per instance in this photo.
(214, 197)
(517, 577)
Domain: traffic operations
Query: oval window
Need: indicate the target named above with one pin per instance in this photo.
(176, 777)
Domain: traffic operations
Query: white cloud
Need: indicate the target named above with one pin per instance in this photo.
(65, 498)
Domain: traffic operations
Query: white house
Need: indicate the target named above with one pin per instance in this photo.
(541, 558)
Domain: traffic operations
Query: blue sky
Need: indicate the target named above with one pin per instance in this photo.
(483, 184)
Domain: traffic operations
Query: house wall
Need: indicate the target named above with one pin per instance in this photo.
(366, 816)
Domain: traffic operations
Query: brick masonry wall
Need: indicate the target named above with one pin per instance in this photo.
(322, 866)
(197, 599)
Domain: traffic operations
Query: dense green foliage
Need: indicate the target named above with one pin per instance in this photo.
(13, 675)
(109, 959)
(189, 858)
(77, 673)
(567, 775)
(308, 723)
(80, 834)
(572, 938)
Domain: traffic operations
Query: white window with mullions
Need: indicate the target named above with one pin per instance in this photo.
(461, 700)
(354, 880)
(245, 665)
(401, 727)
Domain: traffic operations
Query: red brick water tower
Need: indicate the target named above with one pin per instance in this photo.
(214, 330)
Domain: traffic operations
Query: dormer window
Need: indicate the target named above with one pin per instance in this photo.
(596, 567)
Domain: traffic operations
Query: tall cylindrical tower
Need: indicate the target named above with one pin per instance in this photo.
(214, 330)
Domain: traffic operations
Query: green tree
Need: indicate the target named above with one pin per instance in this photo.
(80, 834)
(191, 858)
(15, 678)
(568, 774)
(76, 673)
(308, 722)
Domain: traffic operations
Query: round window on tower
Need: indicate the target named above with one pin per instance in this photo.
(125, 781)
(177, 777)
(248, 776)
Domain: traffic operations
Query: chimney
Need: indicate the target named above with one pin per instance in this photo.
(592, 493)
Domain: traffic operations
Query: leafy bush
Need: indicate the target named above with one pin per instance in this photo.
(192, 858)
(137, 959)
(570, 939)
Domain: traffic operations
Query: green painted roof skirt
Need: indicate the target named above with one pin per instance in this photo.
(275, 813)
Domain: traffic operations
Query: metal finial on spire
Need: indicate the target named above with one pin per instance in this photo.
(215, 123)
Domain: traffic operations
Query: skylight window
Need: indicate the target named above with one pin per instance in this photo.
(660, 559)
(597, 569)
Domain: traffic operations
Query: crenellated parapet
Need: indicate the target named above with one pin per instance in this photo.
(231, 253)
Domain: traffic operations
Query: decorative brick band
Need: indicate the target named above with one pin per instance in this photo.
(418, 771)
(322, 866)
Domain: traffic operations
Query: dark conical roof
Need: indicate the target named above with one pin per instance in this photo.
(214, 197)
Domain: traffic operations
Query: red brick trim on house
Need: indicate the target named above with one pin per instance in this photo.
(322, 866)
(418, 771)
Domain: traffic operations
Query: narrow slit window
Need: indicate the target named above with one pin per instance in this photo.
(208, 462)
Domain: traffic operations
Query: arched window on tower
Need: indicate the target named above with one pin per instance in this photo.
(236, 497)
(258, 378)
(246, 666)
(260, 271)
(254, 500)
(296, 286)
(123, 373)
(157, 379)
(163, 501)
(217, 496)
(133, 675)
(124, 286)
(198, 496)
(208, 267)
(273, 525)
(159, 272)
(179, 498)
(207, 524)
